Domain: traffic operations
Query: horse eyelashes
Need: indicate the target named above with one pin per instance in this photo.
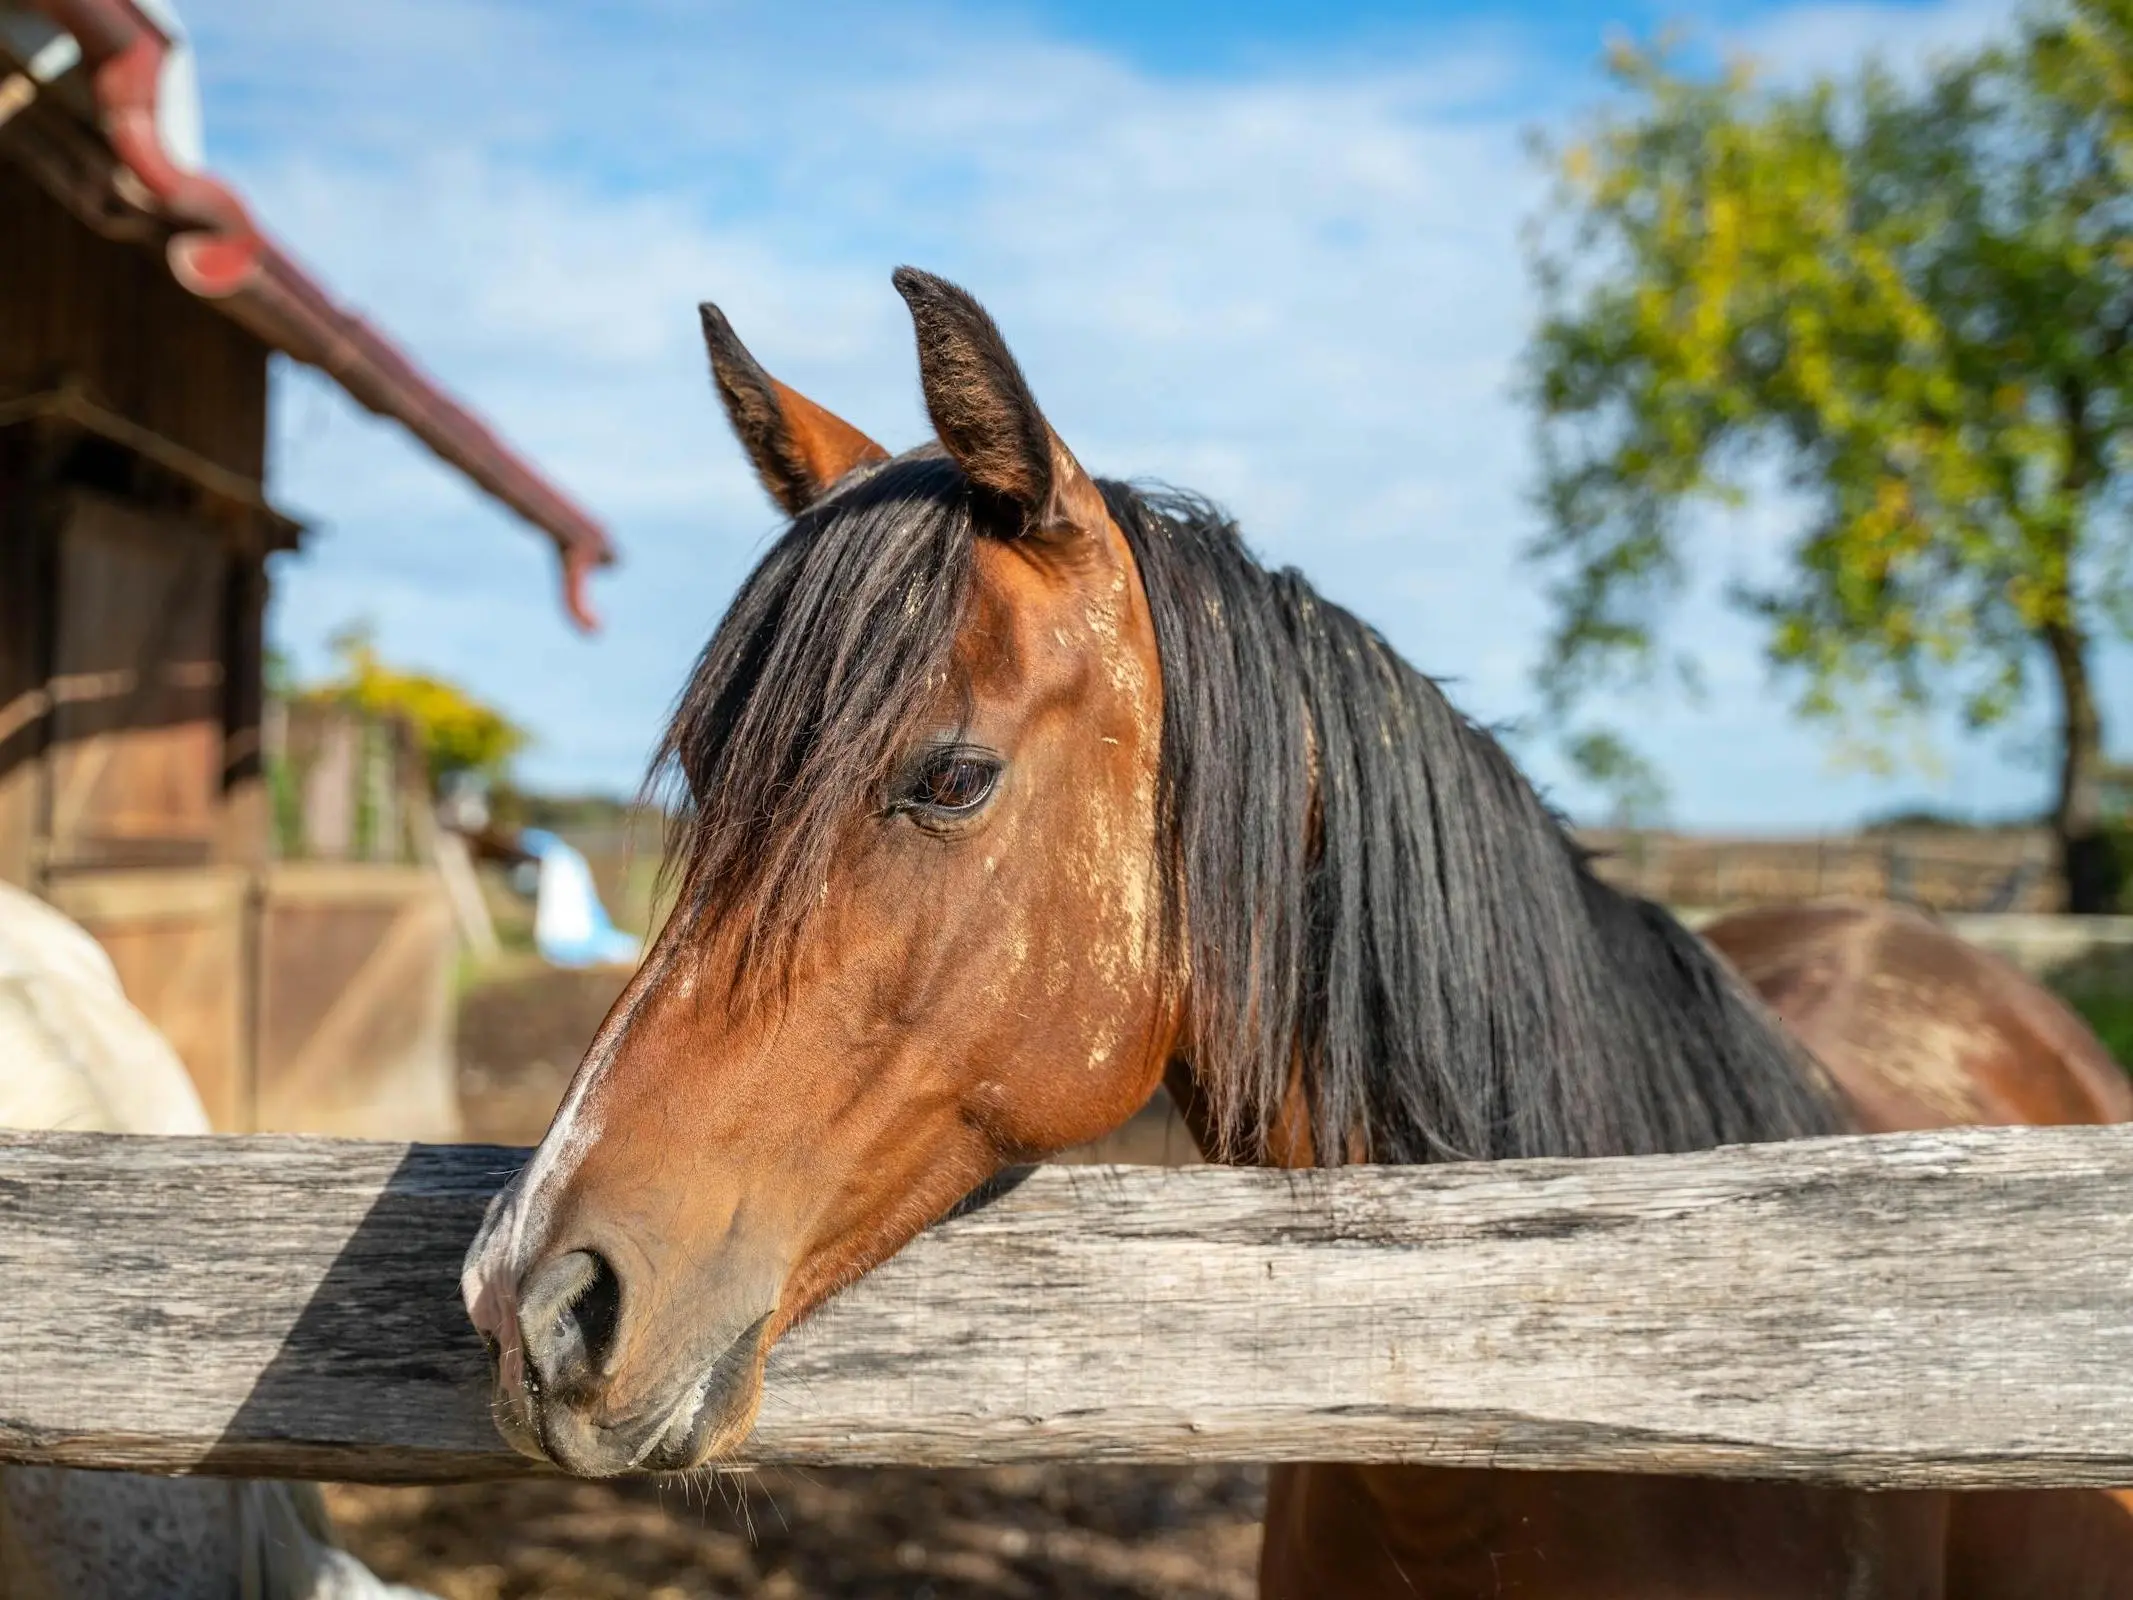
(953, 784)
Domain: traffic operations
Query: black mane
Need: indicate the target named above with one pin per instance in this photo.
(1358, 881)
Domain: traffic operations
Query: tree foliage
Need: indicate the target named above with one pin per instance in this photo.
(1634, 791)
(455, 731)
(1915, 300)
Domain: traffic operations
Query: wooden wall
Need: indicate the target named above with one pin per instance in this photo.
(132, 785)
(137, 688)
(79, 308)
(130, 606)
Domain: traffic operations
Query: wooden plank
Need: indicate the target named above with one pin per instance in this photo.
(1949, 1309)
(337, 883)
(237, 500)
(329, 789)
(455, 871)
(149, 894)
(2045, 946)
(177, 938)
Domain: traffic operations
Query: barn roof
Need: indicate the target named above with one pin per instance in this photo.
(217, 251)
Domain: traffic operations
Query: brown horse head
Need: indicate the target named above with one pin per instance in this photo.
(1008, 794)
(918, 935)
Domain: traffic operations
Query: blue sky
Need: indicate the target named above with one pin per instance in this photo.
(1269, 250)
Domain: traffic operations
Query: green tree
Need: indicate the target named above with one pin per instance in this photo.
(1915, 299)
(1632, 788)
(456, 732)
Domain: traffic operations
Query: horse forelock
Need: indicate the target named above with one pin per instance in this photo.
(808, 689)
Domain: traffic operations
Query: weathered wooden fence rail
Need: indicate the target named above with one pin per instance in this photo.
(1950, 1309)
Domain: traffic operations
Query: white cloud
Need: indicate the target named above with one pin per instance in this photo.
(1300, 291)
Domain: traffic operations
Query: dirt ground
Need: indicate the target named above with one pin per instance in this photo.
(1096, 1533)
(1008, 1533)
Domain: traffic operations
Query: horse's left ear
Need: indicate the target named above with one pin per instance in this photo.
(799, 448)
(985, 415)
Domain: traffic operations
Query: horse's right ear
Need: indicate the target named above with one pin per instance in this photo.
(798, 448)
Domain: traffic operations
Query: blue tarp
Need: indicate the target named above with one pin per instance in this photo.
(570, 926)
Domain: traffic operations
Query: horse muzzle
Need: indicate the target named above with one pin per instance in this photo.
(584, 1376)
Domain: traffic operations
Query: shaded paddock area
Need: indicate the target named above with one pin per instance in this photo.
(1096, 1533)
(1016, 1533)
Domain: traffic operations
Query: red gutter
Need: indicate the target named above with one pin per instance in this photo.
(220, 254)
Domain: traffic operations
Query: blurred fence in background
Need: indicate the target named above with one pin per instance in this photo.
(344, 786)
(1938, 869)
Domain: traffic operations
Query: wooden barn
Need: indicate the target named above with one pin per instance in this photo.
(139, 306)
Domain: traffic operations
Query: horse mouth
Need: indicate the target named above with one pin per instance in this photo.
(709, 1418)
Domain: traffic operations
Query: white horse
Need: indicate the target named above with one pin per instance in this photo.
(75, 1054)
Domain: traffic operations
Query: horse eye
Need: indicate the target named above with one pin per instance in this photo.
(954, 783)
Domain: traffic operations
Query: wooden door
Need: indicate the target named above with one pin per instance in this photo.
(355, 1002)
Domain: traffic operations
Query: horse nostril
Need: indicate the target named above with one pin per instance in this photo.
(598, 1310)
(569, 1310)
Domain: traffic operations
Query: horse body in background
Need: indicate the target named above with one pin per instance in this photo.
(1916, 1030)
(1012, 794)
(78, 1056)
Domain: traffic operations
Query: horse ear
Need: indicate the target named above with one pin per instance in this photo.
(984, 413)
(798, 448)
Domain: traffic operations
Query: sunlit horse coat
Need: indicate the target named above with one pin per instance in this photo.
(74, 1054)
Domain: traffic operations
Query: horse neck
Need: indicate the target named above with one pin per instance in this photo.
(1392, 950)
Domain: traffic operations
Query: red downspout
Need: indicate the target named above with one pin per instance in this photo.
(219, 253)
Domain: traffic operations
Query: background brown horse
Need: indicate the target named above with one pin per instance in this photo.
(1917, 1030)
(1010, 793)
